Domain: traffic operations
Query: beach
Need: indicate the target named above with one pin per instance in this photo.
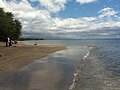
(52, 72)
(14, 57)
(81, 65)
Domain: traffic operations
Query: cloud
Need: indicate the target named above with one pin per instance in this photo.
(107, 12)
(53, 6)
(38, 22)
(85, 1)
(24, 9)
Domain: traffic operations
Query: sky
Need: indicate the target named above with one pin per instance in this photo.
(66, 19)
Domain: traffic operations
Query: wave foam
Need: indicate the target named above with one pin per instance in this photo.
(78, 71)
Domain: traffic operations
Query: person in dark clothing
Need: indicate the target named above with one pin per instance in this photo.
(15, 42)
(6, 41)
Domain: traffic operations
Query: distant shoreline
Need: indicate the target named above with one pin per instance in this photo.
(73, 39)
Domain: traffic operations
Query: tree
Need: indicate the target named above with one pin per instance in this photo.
(9, 26)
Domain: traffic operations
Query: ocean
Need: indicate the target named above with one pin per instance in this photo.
(107, 52)
(83, 65)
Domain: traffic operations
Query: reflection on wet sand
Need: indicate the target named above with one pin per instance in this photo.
(54, 72)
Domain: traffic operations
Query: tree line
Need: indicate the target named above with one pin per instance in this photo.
(9, 26)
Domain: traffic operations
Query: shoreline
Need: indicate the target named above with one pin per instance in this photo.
(79, 66)
(17, 56)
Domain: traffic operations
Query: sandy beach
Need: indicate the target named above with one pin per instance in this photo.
(17, 56)
(53, 72)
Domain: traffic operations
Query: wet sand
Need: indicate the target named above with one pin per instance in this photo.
(54, 72)
(14, 57)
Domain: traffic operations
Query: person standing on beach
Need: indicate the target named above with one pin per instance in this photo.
(10, 41)
(6, 41)
(15, 42)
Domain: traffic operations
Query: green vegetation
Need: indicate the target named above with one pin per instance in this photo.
(9, 26)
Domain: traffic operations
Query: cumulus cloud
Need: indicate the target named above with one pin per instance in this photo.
(53, 6)
(39, 22)
(24, 9)
(107, 12)
(85, 1)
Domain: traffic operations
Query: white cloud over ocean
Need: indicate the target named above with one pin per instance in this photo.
(38, 22)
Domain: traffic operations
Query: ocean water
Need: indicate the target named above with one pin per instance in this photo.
(107, 52)
(84, 65)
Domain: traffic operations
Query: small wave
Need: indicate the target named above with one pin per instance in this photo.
(86, 55)
(75, 79)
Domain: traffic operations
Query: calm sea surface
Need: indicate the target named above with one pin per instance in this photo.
(57, 70)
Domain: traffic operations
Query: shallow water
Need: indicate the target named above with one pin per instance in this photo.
(58, 70)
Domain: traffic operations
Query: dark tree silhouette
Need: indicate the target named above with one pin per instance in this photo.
(9, 26)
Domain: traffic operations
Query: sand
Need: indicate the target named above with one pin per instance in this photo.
(14, 57)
